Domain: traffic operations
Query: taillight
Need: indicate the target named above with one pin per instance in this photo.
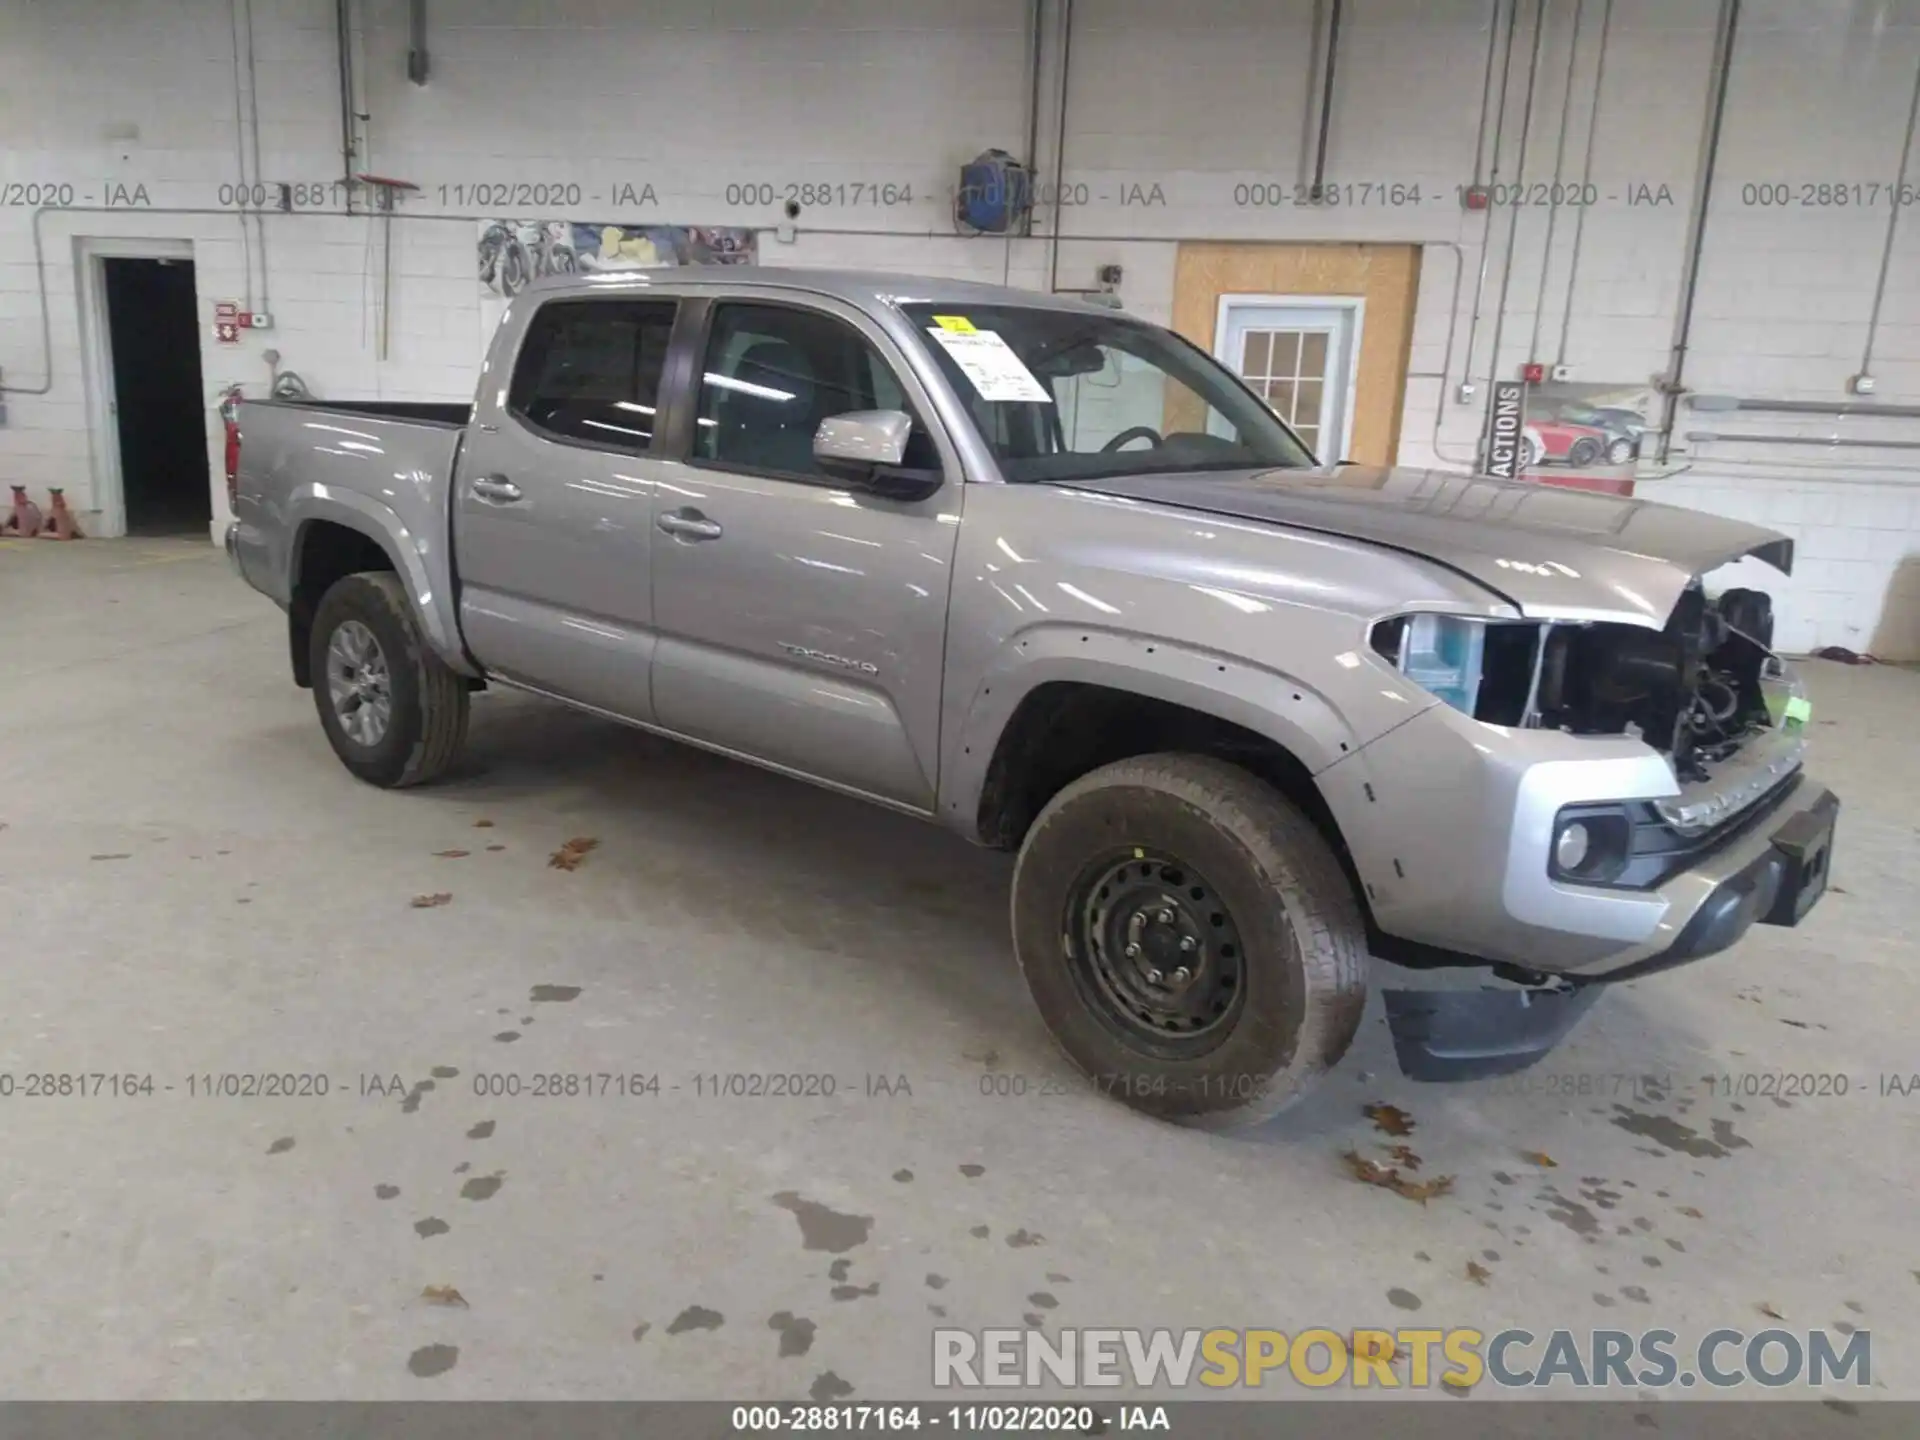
(230, 417)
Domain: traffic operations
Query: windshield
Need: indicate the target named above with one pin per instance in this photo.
(1063, 395)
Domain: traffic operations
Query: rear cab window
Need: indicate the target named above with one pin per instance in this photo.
(589, 371)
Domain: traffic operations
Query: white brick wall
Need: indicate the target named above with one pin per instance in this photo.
(690, 96)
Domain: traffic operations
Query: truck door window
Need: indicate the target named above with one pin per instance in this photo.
(772, 374)
(589, 371)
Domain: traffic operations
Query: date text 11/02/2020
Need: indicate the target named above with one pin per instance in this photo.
(1785, 1086)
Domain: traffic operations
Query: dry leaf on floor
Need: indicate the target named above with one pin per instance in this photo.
(427, 902)
(1423, 1190)
(569, 855)
(1404, 1156)
(451, 854)
(1540, 1158)
(1478, 1273)
(444, 1295)
(1691, 1213)
(1766, 1309)
(1388, 1119)
(483, 824)
(1370, 1172)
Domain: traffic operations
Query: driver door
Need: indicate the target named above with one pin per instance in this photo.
(802, 622)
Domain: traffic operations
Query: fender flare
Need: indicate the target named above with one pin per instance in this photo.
(432, 600)
(1280, 707)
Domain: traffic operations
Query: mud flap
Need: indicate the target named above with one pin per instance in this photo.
(1446, 1035)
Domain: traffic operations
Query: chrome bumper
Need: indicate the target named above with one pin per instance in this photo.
(233, 547)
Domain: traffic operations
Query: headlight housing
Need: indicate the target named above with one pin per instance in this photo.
(1483, 668)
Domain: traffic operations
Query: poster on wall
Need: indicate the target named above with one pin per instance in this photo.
(1586, 436)
(512, 253)
(1504, 429)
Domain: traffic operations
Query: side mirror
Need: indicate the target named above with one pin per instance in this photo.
(866, 447)
(863, 437)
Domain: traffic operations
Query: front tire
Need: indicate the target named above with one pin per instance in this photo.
(1190, 938)
(394, 712)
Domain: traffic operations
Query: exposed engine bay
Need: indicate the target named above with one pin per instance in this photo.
(1692, 689)
(1698, 689)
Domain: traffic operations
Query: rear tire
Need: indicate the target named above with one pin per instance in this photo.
(1131, 862)
(394, 712)
(1583, 452)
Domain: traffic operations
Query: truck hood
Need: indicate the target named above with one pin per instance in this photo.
(1553, 553)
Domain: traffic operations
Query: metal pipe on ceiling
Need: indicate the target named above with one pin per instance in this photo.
(1326, 102)
(418, 65)
(253, 126)
(1036, 50)
(1586, 177)
(1060, 144)
(240, 152)
(1513, 211)
(1839, 410)
(1493, 182)
(1893, 228)
(1559, 172)
(1486, 90)
(1825, 442)
(1720, 76)
(343, 37)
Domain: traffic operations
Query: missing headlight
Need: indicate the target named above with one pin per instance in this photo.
(1483, 668)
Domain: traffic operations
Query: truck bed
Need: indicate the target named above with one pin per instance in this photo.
(383, 469)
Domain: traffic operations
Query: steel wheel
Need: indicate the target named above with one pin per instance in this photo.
(1155, 952)
(358, 683)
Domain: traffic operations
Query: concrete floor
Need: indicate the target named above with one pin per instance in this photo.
(191, 886)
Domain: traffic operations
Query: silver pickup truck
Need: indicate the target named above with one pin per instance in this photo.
(1057, 580)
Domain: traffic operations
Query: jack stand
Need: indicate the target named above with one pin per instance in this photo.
(60, 524)
(23, 521)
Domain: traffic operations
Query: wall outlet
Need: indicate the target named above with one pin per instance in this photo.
(1561, 373)
(259, 320)
(1861, 384)
(1464, 395)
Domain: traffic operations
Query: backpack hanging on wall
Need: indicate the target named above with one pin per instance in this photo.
(995, 194)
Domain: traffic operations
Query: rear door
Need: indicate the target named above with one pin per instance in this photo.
(802, 622)
(554, 506)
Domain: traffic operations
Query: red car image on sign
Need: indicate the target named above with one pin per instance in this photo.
(1562, 442)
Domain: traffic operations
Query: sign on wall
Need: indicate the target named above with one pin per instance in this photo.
(515, 252)
(226, 321)
(1505, 428)
(1585, 435)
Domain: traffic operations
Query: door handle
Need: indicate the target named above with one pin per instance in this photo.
(689, 524)
(496, 488)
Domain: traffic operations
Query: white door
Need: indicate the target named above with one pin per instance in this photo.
(1298, 354)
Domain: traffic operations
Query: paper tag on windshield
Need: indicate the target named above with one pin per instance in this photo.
(989, 362)
(958, 324)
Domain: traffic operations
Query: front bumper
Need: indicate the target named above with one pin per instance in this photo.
(1449, 821)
